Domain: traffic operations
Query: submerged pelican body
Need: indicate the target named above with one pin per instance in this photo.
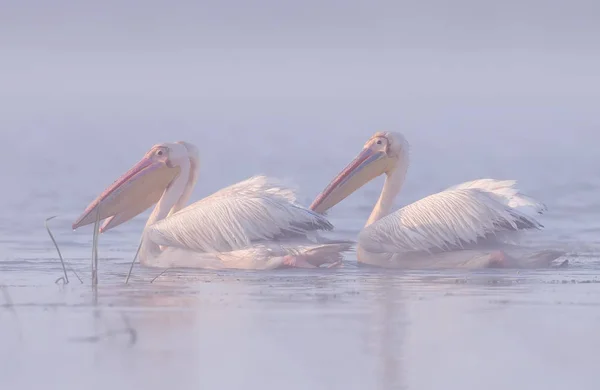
(254, 224)
(464, 226)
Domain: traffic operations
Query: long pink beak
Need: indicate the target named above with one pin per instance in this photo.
(135, 191)
(366, 166)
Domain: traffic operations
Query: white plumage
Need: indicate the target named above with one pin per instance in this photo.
(452, 219)
(254, 224)
(467, 225)
(254, 210)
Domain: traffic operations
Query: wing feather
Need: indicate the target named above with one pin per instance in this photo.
(256, 209)
(506, 191)
(446, 220)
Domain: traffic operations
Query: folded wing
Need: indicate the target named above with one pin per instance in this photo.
(233, 218)
(453, 218)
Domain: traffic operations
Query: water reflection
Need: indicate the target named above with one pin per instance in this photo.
(391, 315)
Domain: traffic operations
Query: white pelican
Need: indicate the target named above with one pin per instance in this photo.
(254, 224)
(461, 227)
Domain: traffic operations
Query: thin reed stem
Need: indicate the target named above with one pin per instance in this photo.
(159, 275)
(95, 249)
(133, 261)
(62, 261)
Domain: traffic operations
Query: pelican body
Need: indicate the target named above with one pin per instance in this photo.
(254, 224)
(464, 226)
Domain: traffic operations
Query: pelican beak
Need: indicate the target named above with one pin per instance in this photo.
(134, 192)
(365, 167)
(143, 203)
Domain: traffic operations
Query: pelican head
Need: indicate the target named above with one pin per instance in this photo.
(384, 152)
(140, 187)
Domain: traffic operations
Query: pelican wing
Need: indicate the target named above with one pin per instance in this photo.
(231, 219)
(507, 193)
(450, 219)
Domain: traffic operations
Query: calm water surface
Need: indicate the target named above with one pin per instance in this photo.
(351, 328)
(80, 104)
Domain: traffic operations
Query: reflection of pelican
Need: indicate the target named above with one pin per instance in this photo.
(444, 230)
(254, 224)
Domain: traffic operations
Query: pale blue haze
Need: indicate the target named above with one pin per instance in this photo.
(509, 90)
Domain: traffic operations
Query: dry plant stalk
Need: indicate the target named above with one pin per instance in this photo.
(95, 249)
(133, 261)
(62, 261)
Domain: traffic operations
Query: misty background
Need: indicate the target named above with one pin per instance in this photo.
(293, 89)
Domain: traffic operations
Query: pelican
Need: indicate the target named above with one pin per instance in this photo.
(464, 226)
(253, 224)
